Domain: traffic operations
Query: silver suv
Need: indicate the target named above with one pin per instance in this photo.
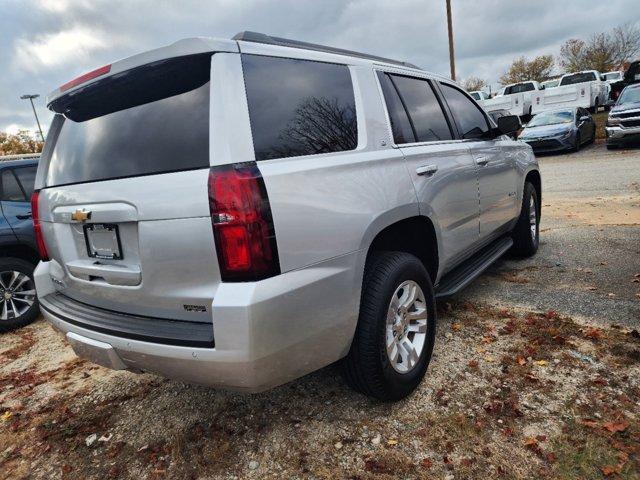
(239, 213)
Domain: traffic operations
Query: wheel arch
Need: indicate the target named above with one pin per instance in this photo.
(416, 235)
(21, 251)
(533, 177)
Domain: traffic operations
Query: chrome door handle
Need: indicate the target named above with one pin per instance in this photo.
(427, 170)
(482, 161)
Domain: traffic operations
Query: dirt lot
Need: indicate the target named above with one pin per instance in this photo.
(536, 374)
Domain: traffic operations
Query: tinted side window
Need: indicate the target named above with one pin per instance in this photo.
(400, 124)
(299, 107)
(424, 109)
(26, 177)
(470, 120)
(11, 191)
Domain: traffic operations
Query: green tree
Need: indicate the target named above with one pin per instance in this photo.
(523, 69)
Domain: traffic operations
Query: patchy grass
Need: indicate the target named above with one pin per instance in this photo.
(509, 394)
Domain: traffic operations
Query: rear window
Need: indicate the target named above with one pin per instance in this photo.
(578, 78)
(149, 120)
(299, 107)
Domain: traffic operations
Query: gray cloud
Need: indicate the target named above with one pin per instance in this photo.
(47, 42)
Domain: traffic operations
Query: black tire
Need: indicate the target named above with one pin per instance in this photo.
(9, 264)
(524, 245)
(367, 368)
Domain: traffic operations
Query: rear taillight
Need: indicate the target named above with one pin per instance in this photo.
(37, 228)
(242, 223)
(86, 77)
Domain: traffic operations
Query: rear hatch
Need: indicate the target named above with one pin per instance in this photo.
(124, 205)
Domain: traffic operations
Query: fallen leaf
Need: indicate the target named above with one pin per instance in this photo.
(456, 327)
(6, 416)
(608, 470)
(541, 363)
(473, 364)
(530, 441)
(521, 360)
(593, 333)
(426, 463)
(614, 427)
(589, 423)
(392, 441)
(591, 289)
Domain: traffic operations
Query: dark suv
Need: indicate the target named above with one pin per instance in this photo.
(18, 252)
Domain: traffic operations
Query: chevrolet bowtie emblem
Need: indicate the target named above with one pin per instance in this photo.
(81, 215)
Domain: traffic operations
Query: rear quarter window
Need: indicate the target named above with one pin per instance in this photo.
(299, 107)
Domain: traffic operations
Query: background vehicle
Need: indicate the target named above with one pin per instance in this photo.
(18, 253)
(581, 89)
(562, 129)
(631, 76)
(549, 83)
(479, 95)
(623, 124)
(293, 222)
(516, 98)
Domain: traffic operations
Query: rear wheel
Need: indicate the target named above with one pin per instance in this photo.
(395, 335)
(18, 302)
(526, 234)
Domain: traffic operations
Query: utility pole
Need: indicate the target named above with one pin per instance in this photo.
(30, 98)
(452, 61)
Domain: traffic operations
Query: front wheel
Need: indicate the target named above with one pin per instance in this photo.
(18, 302)
(394, 338)
(526, 234)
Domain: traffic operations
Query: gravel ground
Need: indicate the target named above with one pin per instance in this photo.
(536, 374)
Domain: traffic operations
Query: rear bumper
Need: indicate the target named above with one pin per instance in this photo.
(266, 333)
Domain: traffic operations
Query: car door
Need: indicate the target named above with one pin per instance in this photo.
(497, 176)
(17, 187)
(442, 169)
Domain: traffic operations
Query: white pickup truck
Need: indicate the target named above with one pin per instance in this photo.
(580, 89)
(516, 98)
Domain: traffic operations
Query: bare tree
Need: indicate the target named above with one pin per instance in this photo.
(473, 84)
(523, 69)
(602, 51)
(320, 125)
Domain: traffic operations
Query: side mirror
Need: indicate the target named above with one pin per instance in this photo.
(584, 118)
(508, 124)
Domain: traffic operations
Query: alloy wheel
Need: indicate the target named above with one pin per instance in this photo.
(406, 326)
(17, 294)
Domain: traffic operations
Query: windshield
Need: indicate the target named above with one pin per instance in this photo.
(629, 95)
(551, 118)
(578, 78)
(149, 120)
(612, 76)
(475, 95)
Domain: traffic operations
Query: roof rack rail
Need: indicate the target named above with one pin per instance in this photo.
(256, 37)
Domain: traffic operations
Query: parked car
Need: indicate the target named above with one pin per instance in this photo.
(312, 212)
(496, 114)
(557, 130)
(516, 98)
(631, 76)
(549, 83)
(623, 124)
(479, 95)
(18, 252)
(581, 89)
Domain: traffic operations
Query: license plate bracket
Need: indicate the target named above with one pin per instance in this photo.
(103, 241)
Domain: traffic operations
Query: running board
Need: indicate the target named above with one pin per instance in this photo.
(470, 269)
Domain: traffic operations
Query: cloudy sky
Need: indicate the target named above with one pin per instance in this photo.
(44, 43)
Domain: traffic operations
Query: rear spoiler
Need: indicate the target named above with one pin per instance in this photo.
(188, 46)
